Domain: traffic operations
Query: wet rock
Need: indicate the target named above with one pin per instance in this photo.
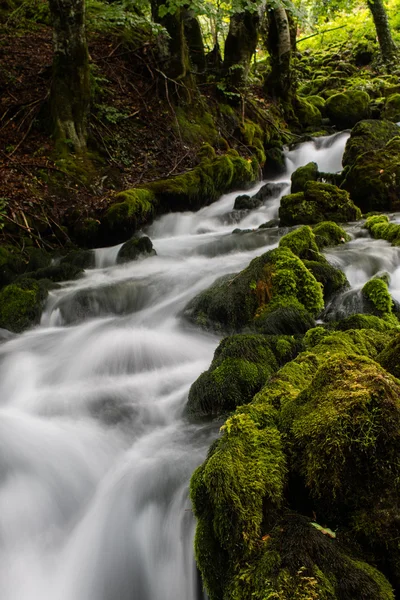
(82, 259)
(134, 249)
(244, 202)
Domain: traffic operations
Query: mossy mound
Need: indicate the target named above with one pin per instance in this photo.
(328, 234)
(301, 242)
(340, 415)
(302, 175)
(389, 358)
(374, 179)
(368, 135)
(134, 248)
(240, 367)
(192, 190)
(276, 279)
(380, 228)
(360, 321)
(318, 102)
(319, 202)
(377, 293)
(21, 304)
(391, 110)
(347, 108)
(56, 273)
(332, 279)
(307, 113)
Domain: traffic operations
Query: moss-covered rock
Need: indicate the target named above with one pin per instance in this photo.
(374, 179)
(82, 259)
(245, 202)
(391, 110)
(21, 304)
(319, 202)
(347, 108)
(368, 135)
(130, 211)
(318, 102)
(302, 175)
(380, 228)
(328, 234)
(389, 358)
(134, 248)
(56, 273)
(361, 321)
(307, 113)
(376, 291)
(12, 264)
(276, 279)
(240, 367)
(301, 242)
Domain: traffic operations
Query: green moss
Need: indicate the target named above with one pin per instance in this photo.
(318, 102)
(389, 358)
(368, 135)
(196, 127)
(130, 211)
(303, 174)
(345, 433)
(365, 322)
(346, 109)
(376, 291)
(21, 304)
(329, 233)
(331, 278)
(319, 202)
(241, 366)
(374, 179)
(307, 113)
(274, 280)
(301, 242)
(380, 228)
(83, 259)
(391, 110)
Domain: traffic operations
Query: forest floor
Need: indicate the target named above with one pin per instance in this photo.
(133, 132)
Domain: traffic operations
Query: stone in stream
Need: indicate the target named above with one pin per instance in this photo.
(266, 192)
(302, 175)
(134, 249)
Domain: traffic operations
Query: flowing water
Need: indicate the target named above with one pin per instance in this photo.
(95, 452)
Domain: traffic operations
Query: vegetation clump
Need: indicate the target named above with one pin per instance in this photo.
(302, 175)
(374, 179)
(380, 227)
(328, 234)
(347, 108)
(368, 135)
(134, 248)
(21, 304)
(277, 279)
(319, 202)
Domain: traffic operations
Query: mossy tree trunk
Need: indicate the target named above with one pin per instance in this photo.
(174, 51)
(194, 40)
(240, 46)
(279, 83)
(381, 22)
(70, 92)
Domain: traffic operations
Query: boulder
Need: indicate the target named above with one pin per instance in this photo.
(302, 175)
(368, 135)
(319, 202)
(134, 249)
(347, 108)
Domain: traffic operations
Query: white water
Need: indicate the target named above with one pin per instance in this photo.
(95, 455)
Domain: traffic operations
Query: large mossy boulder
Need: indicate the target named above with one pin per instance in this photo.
(380, 228)
(307, 113)
(134, 249)
(368, 135)
(391, 110)
(302, 175)
(21, 304)
(389, 358)
(328, 234)
(319, 202)
(274, 280)
(373, 181)
(320, 438)
(347, 108)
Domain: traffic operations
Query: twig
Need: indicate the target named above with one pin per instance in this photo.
(320, 33)
(178, 163)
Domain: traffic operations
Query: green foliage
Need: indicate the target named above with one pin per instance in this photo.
(328, 234)
(302, 243)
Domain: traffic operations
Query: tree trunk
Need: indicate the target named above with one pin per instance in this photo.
(194, 40)
(279, 83)
(70, 93)
(381, 22)
(240, 46)
(174, 50)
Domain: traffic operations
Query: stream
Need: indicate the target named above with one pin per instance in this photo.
(95, 453)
